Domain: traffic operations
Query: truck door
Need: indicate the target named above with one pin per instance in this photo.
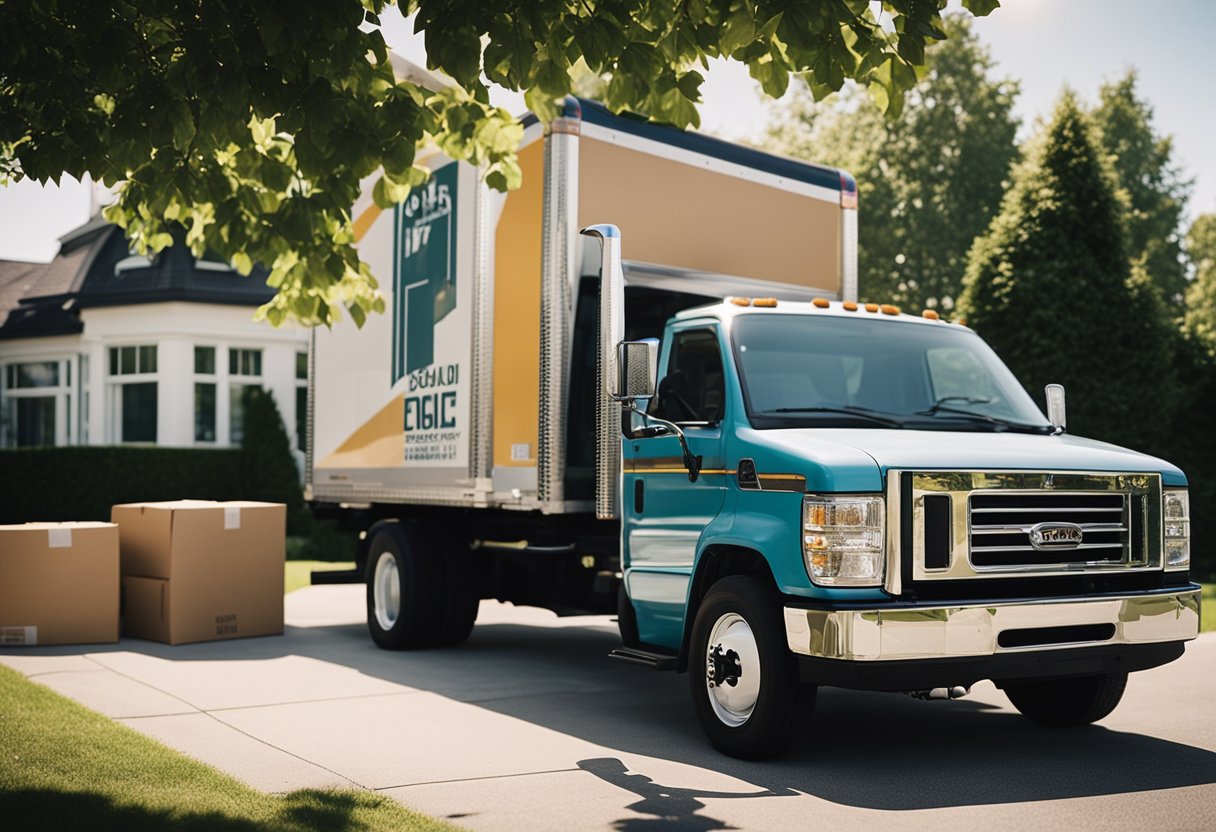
(665, 513)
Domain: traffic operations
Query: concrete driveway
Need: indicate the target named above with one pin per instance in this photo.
(529, 726)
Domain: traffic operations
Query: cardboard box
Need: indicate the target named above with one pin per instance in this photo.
(58, 584)
(196, 570)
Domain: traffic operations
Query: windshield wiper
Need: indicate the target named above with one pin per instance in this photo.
(939, 405)
(1003, 424)
(860, 412)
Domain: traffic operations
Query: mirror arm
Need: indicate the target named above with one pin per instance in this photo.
(692, 463)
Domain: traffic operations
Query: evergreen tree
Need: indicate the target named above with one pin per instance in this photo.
(929, 180)
(1152, 186)
(1050, 288)
(270, 469)
(1201, 293)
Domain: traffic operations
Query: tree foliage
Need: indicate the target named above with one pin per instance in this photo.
(253, 124)
(1201, 293)
(929, 180)
(1153, 188)
(1050, 288)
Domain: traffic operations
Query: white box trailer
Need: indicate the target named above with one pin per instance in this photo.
(476, 389)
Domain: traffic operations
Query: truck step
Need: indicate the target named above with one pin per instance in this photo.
(644, 658)
(348, 576)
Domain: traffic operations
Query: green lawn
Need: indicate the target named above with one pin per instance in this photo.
(298, 573)
(65, 767)
(1207, 612)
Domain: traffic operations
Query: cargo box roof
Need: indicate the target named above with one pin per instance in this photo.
(595, 113)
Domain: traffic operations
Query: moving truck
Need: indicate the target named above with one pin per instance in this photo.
(684, 416)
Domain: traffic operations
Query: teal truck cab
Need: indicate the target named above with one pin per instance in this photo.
(871, 500)
(773, 486)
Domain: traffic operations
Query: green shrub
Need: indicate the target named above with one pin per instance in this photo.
(81, 483)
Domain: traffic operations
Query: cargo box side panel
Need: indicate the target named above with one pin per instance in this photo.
(392, 399)
(517, 267)
(694, 213)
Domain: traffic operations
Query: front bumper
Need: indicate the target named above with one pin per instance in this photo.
(982, 630)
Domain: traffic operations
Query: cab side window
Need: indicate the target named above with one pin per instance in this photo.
(694, 389)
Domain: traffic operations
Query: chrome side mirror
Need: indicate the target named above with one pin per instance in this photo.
(637, 365)
(1055, 407)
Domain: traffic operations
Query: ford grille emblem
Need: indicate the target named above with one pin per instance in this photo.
(1044, 536)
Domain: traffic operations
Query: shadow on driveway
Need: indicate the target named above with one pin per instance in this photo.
(868, 750)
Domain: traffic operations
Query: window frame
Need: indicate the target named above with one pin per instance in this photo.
(116, 381)
(63, 392)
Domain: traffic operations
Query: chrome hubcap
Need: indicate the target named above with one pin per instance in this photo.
(732, 670)
(386, 591)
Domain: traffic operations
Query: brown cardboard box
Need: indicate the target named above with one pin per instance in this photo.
(196, 570)
(58, 583)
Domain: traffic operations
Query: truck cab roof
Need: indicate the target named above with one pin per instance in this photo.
(732, 307)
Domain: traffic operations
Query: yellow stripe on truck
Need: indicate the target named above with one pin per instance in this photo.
(378, 443)
(517, 315)
(364, 221)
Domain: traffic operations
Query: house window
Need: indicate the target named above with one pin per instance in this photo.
(133, 393)
(205, 385)
(244, 370)
(35, 402)
(302, 401)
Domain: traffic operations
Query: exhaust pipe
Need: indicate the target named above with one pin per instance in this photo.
(956, 692)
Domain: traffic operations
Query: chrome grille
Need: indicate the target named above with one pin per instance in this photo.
(978, 524)
(1002, 525)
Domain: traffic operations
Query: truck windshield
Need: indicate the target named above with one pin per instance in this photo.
(800, 370)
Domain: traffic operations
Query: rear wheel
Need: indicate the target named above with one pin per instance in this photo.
(1064, 702)
(743, 679)
(419, 592)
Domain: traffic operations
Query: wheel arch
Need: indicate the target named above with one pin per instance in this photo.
(717, 561)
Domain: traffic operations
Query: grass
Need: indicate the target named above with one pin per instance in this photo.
(65, 767)
(1207, 611)
(298, 573)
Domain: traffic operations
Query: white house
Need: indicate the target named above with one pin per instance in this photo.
(103, 347)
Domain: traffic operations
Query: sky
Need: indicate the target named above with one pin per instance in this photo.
(1045, 44)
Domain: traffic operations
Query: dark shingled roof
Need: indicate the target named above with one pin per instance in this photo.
(94, 267)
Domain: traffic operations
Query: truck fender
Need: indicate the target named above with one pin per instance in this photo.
(715, 562)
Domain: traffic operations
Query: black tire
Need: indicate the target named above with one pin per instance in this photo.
(1067, 702)
(782, 701)
(462, 599)
(435, 601)
(626, 619)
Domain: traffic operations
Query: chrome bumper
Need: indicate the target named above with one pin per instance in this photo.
(973, 630)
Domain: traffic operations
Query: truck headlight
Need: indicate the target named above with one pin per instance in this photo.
(842, 539)
(1177, 511)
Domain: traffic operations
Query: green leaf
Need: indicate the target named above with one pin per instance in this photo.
(690, 85)
(981, 8)
(738, 31)
(242, 263)
(598, 38)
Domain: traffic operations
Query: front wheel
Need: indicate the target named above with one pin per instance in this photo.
(743, 679)
(1065, 702)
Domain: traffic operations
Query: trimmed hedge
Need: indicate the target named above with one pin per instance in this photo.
(81, 483)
